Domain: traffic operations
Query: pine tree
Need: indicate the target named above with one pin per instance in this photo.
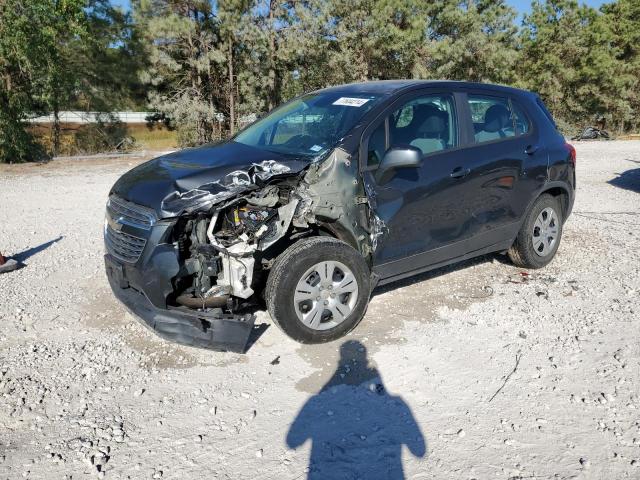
(622, 19)
(568, 55)
(472, 40)
(187, 68)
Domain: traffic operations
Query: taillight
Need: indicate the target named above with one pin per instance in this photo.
(572, 153)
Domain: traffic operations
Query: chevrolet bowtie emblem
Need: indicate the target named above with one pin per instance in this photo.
(115, 224)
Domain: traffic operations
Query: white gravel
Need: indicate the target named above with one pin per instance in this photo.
(85, 391)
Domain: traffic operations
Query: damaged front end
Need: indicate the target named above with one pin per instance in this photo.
(222, 247)
(207, 251)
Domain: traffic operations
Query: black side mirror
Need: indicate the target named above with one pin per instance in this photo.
(405, 156)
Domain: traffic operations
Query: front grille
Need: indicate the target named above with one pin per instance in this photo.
(130, 213)
(123, 246)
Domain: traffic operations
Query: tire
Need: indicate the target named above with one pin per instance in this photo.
(526, 251)
(295, 280)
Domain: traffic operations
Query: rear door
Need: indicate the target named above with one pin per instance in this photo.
(503, 150)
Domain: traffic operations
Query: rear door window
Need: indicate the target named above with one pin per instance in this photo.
(496, 118)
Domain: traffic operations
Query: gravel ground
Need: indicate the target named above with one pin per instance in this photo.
(480, 370)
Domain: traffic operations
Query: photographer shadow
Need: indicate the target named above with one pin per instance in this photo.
(357, 429)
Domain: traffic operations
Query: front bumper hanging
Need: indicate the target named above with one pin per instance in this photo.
(213, 330)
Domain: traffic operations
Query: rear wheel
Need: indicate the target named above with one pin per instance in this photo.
(539, 237)
(318, 290)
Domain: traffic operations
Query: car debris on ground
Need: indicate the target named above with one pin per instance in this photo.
(591, 133)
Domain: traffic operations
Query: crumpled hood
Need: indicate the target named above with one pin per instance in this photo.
(203, 176)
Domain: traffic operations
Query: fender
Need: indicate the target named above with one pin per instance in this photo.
(550, 185)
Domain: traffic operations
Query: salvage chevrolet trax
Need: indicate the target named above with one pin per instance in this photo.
(331, 194)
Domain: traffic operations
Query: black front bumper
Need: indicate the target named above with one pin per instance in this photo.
(213, 330)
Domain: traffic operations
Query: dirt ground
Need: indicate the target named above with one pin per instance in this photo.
(480, 370)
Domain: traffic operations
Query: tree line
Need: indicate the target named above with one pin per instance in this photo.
(207, 66)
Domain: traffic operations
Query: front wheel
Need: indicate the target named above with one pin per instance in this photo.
(539, 237)
(318, 290)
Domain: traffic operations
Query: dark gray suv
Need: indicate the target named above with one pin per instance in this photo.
(331, 194)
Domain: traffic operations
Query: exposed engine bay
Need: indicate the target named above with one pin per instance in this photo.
(219, 250)
(226, 251)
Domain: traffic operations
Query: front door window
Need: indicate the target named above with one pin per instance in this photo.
(427, 123)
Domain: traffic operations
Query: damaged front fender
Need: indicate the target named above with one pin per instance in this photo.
(332, 191)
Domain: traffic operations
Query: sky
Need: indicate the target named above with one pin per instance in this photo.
(522, 6)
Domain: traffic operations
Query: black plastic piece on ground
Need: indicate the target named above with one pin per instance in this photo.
(214, 331)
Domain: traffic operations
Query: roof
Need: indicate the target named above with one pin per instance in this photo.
(393, 86)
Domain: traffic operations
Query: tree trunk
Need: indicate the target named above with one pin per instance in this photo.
(56, 123)
(232, 107)
(272, 100)
(364, 62)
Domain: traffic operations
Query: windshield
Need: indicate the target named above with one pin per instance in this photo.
(310, 125)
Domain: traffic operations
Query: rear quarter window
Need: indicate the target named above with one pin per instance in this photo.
(546, 112)
(520, 121)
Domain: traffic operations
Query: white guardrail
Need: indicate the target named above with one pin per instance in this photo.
(92, 117)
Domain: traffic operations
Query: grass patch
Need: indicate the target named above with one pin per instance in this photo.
(154, 138)
(82, 139)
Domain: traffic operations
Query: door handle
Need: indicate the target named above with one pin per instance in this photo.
(531, 149)
(460, 172)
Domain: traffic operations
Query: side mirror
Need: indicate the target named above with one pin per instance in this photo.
(405, 156)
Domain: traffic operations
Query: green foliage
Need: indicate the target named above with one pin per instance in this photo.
(581, 61)
(60, 54)
(374, 39)
(16, 144)
(186, 65)
(622, 21)
(105, 57)
(208, 66)
(471, 40)
(25, 44)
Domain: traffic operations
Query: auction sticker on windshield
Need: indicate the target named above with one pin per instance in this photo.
(351, 102)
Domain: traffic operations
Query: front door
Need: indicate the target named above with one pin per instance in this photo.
(425, 210)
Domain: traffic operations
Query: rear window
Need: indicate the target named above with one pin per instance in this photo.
(546, 112)
(496, 118)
